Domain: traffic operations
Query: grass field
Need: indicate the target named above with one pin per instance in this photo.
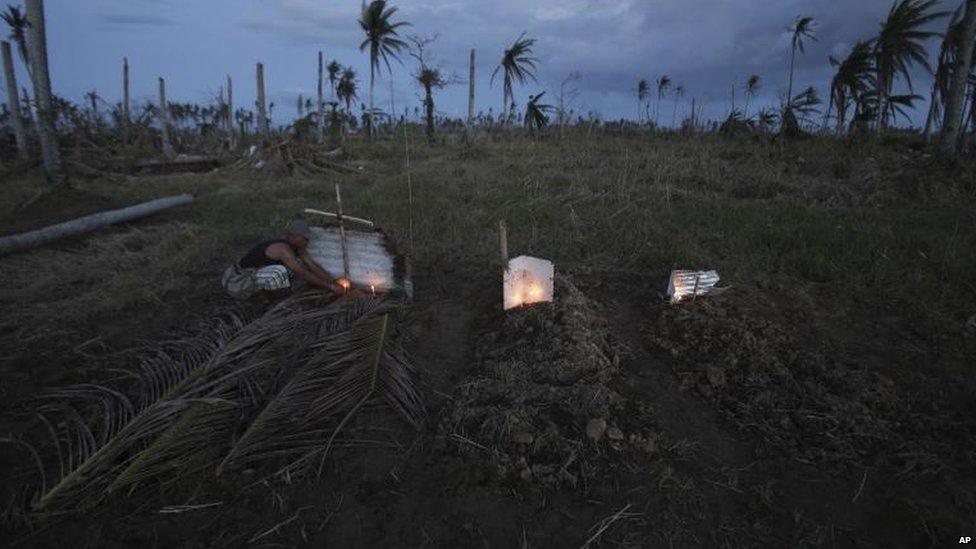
(843, 417)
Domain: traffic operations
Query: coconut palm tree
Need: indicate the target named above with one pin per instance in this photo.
(517, 65)
(899, 46)
(382, 40)
(802, 108)
(751, 88)
(948, 147)
(535, 113)
(17, 22)
(853, 78)
(943, 71)
(663, 84)
(333, 69)
(802, 29)
(429, 78)
(643, 90)
(346, 89)
(679, 92)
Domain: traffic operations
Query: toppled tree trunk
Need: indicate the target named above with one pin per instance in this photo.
(82, 225)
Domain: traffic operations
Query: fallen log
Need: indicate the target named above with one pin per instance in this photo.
(82, 225)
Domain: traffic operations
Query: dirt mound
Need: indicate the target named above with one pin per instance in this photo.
(807, 403)
(541, 394)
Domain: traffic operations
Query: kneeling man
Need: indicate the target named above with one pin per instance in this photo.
(270, 265)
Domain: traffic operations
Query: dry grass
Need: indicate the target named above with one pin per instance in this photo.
(876, 224)
(861, 238)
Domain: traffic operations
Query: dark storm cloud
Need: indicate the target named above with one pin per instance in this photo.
(704, 44)
(134, 19)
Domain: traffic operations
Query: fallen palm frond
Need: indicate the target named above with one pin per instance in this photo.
(350, 370)
(283, 380)
(238, 380)
(89, 451)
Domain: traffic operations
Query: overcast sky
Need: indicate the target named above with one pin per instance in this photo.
(704, 44)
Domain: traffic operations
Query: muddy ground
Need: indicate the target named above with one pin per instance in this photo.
(691, 455)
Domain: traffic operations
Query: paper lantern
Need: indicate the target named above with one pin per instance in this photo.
(527, 280)
(690, 284)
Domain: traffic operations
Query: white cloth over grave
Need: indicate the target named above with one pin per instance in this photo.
(527, 280)
(370, 262)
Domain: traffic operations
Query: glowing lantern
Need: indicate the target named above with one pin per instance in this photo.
(691, 284)
(527, 280)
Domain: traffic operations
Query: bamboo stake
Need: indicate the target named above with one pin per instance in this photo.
(342, 234)
(406, 155)
(503, 243)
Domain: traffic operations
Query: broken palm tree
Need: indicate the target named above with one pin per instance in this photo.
(278, 391)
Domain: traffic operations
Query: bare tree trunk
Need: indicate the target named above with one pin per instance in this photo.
(429, 108)
(882, 90)
(230, 113)
(392, 104)
(789, 90)
(37, 49)
(930, 118)
(693, 122)
(321, 104)
(949, 146)
(263, 126)
(13, 99)
(841, 114)
(372, 98)
(471, 97)
(505, 87)
(125, 93)
(164, 119)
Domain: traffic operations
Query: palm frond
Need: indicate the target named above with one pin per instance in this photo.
(87, 461)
